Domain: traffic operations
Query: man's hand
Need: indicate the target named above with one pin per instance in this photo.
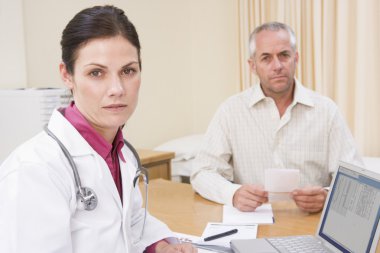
(248, 197)
(164, 247)
(310, 199)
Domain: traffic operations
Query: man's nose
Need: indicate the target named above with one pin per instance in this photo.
(277, 64)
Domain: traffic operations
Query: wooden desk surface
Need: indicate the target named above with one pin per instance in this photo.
(187, 212)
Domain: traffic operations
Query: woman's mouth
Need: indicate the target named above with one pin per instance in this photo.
(115, 107)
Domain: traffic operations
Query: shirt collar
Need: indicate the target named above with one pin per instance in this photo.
(301, 95)
(96, 141)
(256, 95)
(118, 143)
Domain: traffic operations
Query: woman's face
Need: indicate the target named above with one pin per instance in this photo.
(105, 82)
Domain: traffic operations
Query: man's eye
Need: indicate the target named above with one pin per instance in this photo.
(285, 55)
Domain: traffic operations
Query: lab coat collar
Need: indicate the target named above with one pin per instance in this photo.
(69, 136)
(78, 146)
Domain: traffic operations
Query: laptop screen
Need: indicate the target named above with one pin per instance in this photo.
(352, 213)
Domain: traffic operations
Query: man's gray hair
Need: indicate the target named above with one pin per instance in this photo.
(271, 26)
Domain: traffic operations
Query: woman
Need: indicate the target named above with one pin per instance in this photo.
(40, 208)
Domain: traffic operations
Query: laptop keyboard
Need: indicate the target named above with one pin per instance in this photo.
(297, 244)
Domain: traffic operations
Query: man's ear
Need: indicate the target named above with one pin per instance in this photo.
(66, 77)
(296, 57)
(252, 66)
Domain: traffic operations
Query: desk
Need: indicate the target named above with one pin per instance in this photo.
(184, 211)
(158, 163)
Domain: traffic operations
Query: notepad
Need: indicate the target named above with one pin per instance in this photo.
(244, 232)
(262, 215)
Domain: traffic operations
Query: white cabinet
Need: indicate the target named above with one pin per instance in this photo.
(24, 112)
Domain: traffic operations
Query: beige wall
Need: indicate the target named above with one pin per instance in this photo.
(12, 45)
(189, 54)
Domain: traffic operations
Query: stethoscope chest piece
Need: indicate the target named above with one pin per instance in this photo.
(88, 197)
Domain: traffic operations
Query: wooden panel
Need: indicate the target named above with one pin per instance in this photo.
(159, 171)
(150, 156)
(158, 163)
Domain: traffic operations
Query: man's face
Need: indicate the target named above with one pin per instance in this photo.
(274, 62)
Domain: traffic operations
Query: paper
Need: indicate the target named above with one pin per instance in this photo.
(244, 232)
(262, 215)
(186, 237)
(279, 196)
(281, 180)
(203, 247)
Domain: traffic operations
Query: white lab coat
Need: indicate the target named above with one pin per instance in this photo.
(39, 211)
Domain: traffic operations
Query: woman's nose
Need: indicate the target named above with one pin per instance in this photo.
(116, 86)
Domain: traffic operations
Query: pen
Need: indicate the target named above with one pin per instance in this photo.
(213, 237)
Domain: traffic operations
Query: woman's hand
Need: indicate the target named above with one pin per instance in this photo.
(164, 247)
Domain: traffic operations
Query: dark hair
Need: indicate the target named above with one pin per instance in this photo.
(96, 22)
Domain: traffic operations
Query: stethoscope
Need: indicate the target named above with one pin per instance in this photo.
(87, 195)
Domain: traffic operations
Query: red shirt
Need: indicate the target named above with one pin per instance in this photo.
(110, 153)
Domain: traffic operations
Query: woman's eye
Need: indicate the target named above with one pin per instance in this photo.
(129, 71)
(96, 73)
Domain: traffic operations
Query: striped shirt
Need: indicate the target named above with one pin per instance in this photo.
(247, 136)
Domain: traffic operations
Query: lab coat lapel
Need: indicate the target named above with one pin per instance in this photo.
(110, 184)
(79, 149)
(127, 174)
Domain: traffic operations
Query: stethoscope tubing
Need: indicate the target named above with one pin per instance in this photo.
(86, 194)
(69, 159)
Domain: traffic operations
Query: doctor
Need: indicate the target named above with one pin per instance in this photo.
(40, 210)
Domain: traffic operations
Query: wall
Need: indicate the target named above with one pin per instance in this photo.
(189, 56)
(12, 45)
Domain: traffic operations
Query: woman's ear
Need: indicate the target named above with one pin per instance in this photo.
(66, 77)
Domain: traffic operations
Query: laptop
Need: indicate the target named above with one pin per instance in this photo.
(349, 221)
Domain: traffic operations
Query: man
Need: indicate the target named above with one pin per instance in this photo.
(275, 124)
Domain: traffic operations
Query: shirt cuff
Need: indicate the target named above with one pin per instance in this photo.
(152, 248)
(229, 194)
